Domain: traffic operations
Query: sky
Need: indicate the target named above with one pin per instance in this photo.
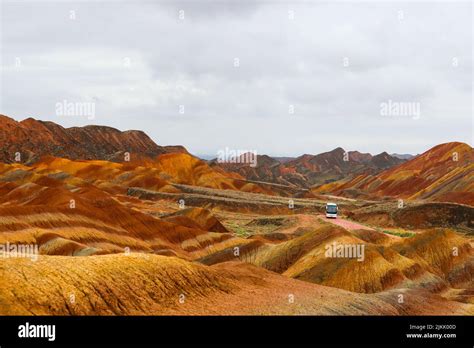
(282, 78)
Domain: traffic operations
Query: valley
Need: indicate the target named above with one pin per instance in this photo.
(166, 233)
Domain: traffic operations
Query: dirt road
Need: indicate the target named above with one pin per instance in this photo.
(308, 220)
(348, 225)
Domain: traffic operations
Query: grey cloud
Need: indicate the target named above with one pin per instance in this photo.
(283, 62)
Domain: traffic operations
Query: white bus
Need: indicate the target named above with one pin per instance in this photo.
(331, 210)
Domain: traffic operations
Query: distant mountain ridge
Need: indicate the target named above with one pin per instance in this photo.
(33, 139)
(404, 156)
(29, 140)
(443, 173)
(95, 148)
(308, 170)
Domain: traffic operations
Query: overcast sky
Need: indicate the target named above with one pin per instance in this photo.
(281, 78)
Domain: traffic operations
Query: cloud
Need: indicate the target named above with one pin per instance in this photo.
(238, 68)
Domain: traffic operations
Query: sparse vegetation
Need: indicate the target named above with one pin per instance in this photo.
(403, 234)
(237, 229)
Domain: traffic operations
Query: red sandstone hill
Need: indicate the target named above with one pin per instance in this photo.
(34, 139)
(308, 170)
(89, 153)
(443, 173)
